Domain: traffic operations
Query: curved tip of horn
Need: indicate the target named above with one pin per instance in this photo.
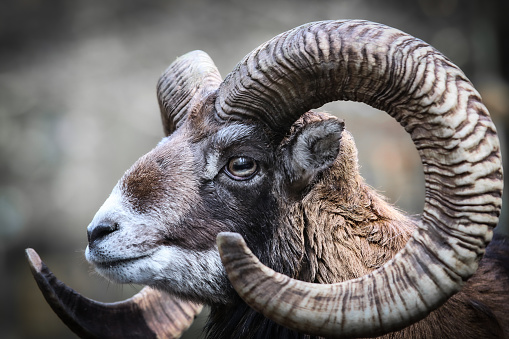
(148, 314)
(226, 239)
(242, 265)
(33, 259)
(53, 291)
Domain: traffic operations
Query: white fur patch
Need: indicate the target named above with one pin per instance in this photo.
(178, 271)
(211, 167)
(134, 253)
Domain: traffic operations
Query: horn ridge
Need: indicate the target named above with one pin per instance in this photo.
(185, 82)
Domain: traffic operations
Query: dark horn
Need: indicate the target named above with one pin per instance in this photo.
(148, 314)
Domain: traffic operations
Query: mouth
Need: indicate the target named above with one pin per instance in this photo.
(132, 270)
(104, 262)
(110, 264)
(124, 266)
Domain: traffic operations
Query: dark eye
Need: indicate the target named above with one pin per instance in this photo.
(241, 168)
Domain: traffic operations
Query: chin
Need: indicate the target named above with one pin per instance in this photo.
(190, 275)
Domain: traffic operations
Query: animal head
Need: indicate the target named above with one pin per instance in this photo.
(160, 223)
(241, 154)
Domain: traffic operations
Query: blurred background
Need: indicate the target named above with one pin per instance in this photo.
(78, 107)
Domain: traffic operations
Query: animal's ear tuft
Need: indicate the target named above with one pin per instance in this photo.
(312, 148)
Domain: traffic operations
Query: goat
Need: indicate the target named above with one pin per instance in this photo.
(246, 162)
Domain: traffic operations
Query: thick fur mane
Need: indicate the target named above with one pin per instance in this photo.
(343, 229)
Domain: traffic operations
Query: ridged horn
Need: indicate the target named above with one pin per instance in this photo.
(455, 137)
(185, 82)
(148, 314)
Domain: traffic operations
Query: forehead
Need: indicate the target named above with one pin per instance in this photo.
(237, 133)
(239, 139)
(204, 126)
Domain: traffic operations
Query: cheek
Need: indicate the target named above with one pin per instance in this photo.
(244, 202)
(168, 204)
(197, 230)
(250, 211)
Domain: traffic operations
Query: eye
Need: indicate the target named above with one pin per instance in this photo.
(241, 168)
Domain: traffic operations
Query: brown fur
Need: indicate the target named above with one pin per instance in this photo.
(343, 229)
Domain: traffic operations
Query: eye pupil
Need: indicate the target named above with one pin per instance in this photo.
(242, 168)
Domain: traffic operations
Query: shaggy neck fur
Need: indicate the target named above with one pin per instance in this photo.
(341, 230)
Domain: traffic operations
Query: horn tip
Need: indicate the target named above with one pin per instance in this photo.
(34, 260)
(228, 236)
(232, 248)
(230, 239)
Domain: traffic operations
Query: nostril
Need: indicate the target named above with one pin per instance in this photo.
(100, 231)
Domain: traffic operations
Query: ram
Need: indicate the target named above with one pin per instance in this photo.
(245, 162)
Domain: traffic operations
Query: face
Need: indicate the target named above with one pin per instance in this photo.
(159, 225)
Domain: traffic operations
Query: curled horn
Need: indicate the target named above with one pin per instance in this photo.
(455, 137)
(148, 314)
(186, 82)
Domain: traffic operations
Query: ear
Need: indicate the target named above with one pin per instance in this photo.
(311, 148)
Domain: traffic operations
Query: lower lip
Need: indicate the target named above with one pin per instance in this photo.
(113, 263)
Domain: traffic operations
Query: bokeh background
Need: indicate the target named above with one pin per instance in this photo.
(78, 107)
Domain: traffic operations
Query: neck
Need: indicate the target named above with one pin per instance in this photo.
(360, 240)
(240, 321)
